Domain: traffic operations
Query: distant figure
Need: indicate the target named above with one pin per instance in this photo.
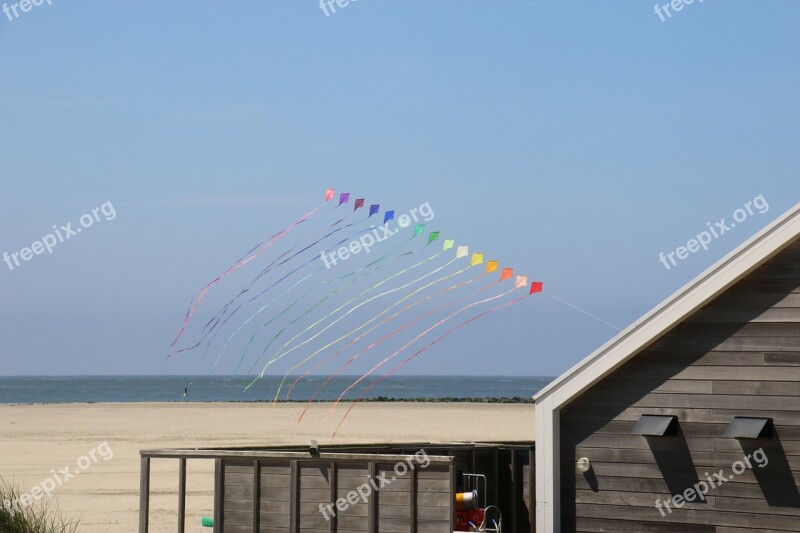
(185, 392)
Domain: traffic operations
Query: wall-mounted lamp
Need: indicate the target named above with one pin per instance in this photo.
(583, 465)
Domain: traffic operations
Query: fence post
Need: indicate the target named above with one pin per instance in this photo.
(144, 495)
(182, 495)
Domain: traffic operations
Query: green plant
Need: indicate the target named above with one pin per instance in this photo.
(39, 517)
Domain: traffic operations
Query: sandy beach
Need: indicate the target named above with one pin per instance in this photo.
(38, 441)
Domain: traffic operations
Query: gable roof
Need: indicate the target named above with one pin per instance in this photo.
(665, 316)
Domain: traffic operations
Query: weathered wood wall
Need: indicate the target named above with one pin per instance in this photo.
(421, 500)
(291, 502)
(738, 356)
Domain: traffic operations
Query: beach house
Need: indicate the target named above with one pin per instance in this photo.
(689, 419)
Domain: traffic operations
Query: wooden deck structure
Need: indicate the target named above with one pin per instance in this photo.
(282, 490)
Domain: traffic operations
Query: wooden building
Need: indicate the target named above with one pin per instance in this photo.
(380, 488)
(688, 420)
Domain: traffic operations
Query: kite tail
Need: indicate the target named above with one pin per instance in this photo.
(374, 208)
(241, 262)
(415, 339)
(366, 302)
(384, 338)
(536, 287)
(281, 353)
(491, 267)
(220, 314)
(328, 315)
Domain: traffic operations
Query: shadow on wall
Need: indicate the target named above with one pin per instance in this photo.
(775, 478)
(675, 461)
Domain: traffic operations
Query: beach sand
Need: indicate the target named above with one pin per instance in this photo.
(37, 441)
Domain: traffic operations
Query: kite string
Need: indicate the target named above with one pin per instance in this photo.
(584, 311)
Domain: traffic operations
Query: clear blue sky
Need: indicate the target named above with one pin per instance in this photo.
(573, 140)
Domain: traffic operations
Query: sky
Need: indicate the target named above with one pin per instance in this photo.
(574, 141)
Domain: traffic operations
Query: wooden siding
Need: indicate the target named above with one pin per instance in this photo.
(291, 486)
(738, 356)
(290, 494)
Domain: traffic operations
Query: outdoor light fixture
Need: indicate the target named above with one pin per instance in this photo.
(313, 447)
(583, 465)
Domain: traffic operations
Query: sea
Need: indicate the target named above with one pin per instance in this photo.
(124, 389)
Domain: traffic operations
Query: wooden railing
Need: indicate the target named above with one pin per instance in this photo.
(256, 457)
(509, 466)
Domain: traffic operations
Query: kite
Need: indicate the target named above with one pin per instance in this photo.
(287, 306)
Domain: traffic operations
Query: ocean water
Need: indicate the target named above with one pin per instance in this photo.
(232, 389)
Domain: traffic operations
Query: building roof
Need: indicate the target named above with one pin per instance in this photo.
(665, 316)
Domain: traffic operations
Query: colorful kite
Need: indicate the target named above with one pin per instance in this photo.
(349, 305)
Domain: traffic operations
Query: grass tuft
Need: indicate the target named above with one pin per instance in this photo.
(39, 517)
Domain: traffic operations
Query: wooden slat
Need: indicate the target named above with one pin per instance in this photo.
(412, 496)
(144, 495)
(451, 494)
(246, 456)
(689, 516)
(182, 495)
(594, 525)
(755, 388)
(373, 501)
(532, 492)
(515, 487)
(294, 490)
(334, 482)
(219, 492)
(256, 495)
